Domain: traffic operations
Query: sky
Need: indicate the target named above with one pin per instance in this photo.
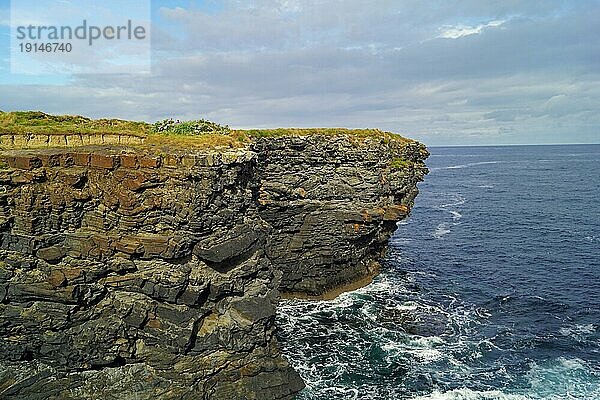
(444, 72)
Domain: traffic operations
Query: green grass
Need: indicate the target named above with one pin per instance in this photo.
(399, 163)
(197, 134)
(360, 133)
(36, 122)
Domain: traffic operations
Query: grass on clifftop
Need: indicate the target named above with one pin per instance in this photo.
(196, 134)
(36, 122)
(202, 127)
(360, 133)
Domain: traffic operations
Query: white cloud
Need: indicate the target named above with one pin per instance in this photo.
(347, 63)
(458, 31)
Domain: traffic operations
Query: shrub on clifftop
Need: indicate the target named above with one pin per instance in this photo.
(189, 128)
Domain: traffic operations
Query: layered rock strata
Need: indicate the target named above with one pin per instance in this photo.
(333, 204)
(133, 275)
(42, 140)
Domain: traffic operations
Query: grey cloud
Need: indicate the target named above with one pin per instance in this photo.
(334, 63)
(345, 23)
(502, 115)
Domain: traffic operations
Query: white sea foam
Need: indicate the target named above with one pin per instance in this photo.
(483, 313)
(564, 378)
(441, 230)
(578, 331)
(341, 393)
(381, 285)
(559, 379)
(423, 349)
(457, 200)
(425, 355)
(456, 215)
(410, 306)
(426, 342)
(461, 166)
(468, 394)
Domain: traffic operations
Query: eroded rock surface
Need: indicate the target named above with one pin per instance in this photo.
(333, 204)
(131, 275)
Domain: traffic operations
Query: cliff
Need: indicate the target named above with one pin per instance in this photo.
(333, 203)
(128, 272)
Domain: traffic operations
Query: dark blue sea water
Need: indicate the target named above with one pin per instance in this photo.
(490, 290)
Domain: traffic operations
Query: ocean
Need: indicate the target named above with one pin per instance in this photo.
(490, 290)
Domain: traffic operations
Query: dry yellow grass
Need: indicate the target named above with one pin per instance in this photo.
(197, 142)
(35, 122)
(359, 133)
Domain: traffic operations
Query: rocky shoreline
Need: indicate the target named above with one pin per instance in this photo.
(130, 274)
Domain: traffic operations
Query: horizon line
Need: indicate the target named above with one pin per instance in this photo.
(512, 144)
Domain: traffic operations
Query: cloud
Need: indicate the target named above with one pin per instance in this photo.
(445, 72)
(458, 31)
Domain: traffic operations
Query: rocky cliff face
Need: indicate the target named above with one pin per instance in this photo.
(131, 275)
(333, 204)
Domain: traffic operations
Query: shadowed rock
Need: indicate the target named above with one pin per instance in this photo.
(128, 274)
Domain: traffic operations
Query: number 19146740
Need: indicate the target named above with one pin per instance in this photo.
(45, 47)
